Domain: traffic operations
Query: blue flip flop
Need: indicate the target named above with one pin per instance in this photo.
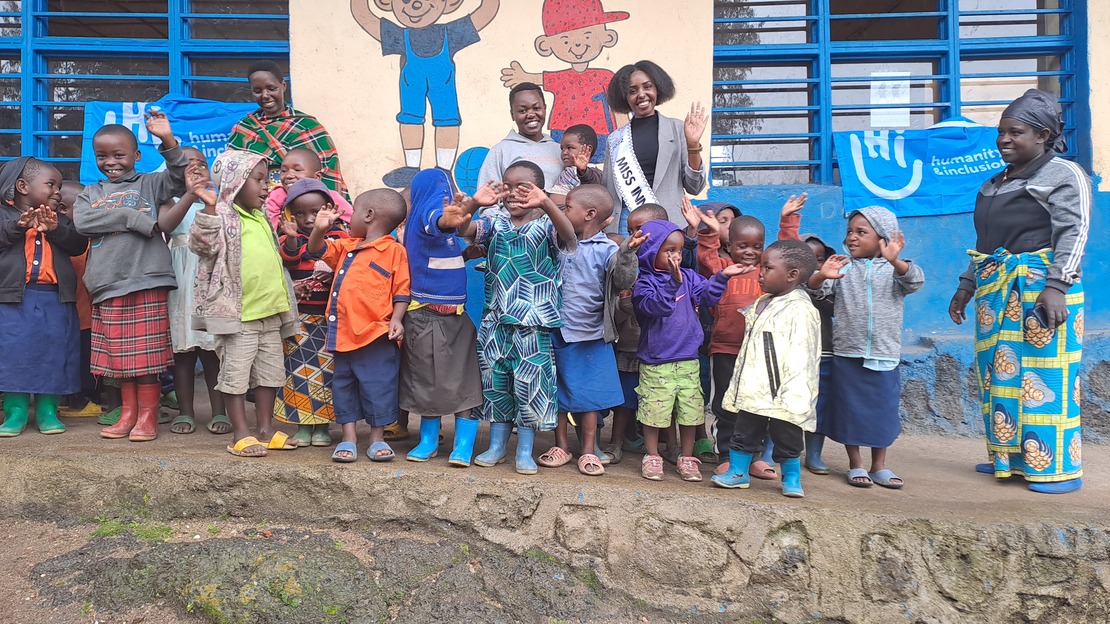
(349, 447)
(372, 452)
(885, 478)
(859, 473)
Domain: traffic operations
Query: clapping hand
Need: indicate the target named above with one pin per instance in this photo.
(198, 183)
(455, 214)
(890, 250)
(695, 217)
(286, 226)
(325, 218)
(831, 268)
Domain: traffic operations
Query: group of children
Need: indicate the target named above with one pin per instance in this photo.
(342, 312)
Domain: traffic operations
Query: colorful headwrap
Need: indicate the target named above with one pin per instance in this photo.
(230, 173)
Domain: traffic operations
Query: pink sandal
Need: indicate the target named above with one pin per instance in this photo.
(762, 470)
(554, 457)
(590, 465)
(688, 468)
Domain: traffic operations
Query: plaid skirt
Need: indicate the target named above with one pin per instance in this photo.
(131, 335)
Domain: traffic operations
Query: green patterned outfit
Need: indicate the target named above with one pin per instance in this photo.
(1028, 374)
(522, 309)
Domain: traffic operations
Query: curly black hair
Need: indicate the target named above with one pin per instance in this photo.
(617, 93)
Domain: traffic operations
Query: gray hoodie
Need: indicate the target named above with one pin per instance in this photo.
(544, 153)
(127, 253)
(867, 301)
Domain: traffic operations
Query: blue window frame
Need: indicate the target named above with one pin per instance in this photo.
(789, 73)
(57, 54)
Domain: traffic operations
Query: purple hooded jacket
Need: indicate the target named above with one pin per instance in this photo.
(669, 327)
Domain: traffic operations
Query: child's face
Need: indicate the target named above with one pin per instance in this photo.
(529, 113)
(578, 213)
(194, 156)
(515, 177)
(304, 209)
(361, 218)
(775, 277)
(746, 246)
(297, 166)
(70, 191)
(636, 222)
(569, 147)
(818, 250)
(670, 251)
(44, 189)
(862, 241)
(641, 94)
(725, 218)
(115, 155)
(253, 193)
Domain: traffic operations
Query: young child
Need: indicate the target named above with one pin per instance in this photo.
(746, 237)
(129, 272)
(301, 163)
(778, 366)
(366, 311)
(585, 364)
(243, 294)
(815, 442)
(665, 296)
(87, 402)
(867, 291)
(623, 436)
(576, 148)
(306, 399)
(40, 343)
(190, 344)
(522, 310)
(439, 359)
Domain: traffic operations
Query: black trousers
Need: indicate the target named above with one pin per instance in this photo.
(722, 365)
(749, 430)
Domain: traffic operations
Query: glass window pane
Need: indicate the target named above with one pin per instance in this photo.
(884, 83)
(69, 170)
(77, 90)
(106, 6)
(768, 31)
(64, 146)
(1012, 24)
(760, 176)
(108, 27)
(9, 63)
(221, 91)
(9, 117)
(863, 119)
(883, 28)
(978, 87)
(155, 65)
(66, 117)
(11, 146)
(272, 7)
(246, 29)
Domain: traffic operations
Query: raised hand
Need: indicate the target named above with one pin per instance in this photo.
(794, 204)
(455, 214)
(637, 239)
(733, 270)
(674, 265)
(325, 218)
(530, 196)
(489, 194)
(198, 183)
(287, 226)
(695, 217)
(159, 125)
(582, 158)
(891, 250)
(832, 266)
(694, 126)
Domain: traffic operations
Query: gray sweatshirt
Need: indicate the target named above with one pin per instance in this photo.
(514, 147)
(868, 300)
(127, 253)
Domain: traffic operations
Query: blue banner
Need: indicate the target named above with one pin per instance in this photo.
(203, 124)
(935, 171)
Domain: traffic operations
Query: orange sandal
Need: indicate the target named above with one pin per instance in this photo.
(590, 465)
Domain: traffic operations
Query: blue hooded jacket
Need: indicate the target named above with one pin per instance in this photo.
(669, 327)
(435, 256)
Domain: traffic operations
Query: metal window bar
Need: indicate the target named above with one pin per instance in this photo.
(33, 47)
(947, 50)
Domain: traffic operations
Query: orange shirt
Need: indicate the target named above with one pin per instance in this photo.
(370, 277)
(84, 302)
(40, 258)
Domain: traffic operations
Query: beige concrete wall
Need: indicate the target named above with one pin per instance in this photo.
(340, 75)
(1098, 23)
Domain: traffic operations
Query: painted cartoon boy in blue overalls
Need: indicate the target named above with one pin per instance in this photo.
(427, 51)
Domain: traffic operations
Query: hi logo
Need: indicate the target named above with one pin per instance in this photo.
(882, 145)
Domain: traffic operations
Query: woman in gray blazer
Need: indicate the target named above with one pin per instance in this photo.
(653, 159)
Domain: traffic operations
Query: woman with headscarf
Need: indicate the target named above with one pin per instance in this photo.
(1031, 223)
(276, 127)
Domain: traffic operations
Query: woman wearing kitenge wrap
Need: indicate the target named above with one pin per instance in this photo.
(275, 128)
(654, 159)
(1031, 224)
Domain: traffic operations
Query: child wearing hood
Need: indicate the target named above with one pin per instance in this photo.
(665, 297)
(867, 290)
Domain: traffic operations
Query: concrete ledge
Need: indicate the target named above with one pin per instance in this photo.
(952, 546)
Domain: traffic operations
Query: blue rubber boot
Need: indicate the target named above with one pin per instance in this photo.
(16, 406)
(768, 450)
(815, 443)
(738, 475)
(428, 447)
(1059, 487)
(498, 438)
(792, 478)
(525, 436)
(466, 430)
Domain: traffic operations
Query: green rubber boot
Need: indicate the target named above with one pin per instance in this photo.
(46, 414)
(16, 405)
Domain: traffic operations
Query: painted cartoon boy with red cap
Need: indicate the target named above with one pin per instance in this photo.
(574, 31)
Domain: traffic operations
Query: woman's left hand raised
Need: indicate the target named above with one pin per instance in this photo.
(694, 127)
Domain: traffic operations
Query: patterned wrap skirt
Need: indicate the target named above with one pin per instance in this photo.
(1028, 374)
(131, 335)
(306, 397)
